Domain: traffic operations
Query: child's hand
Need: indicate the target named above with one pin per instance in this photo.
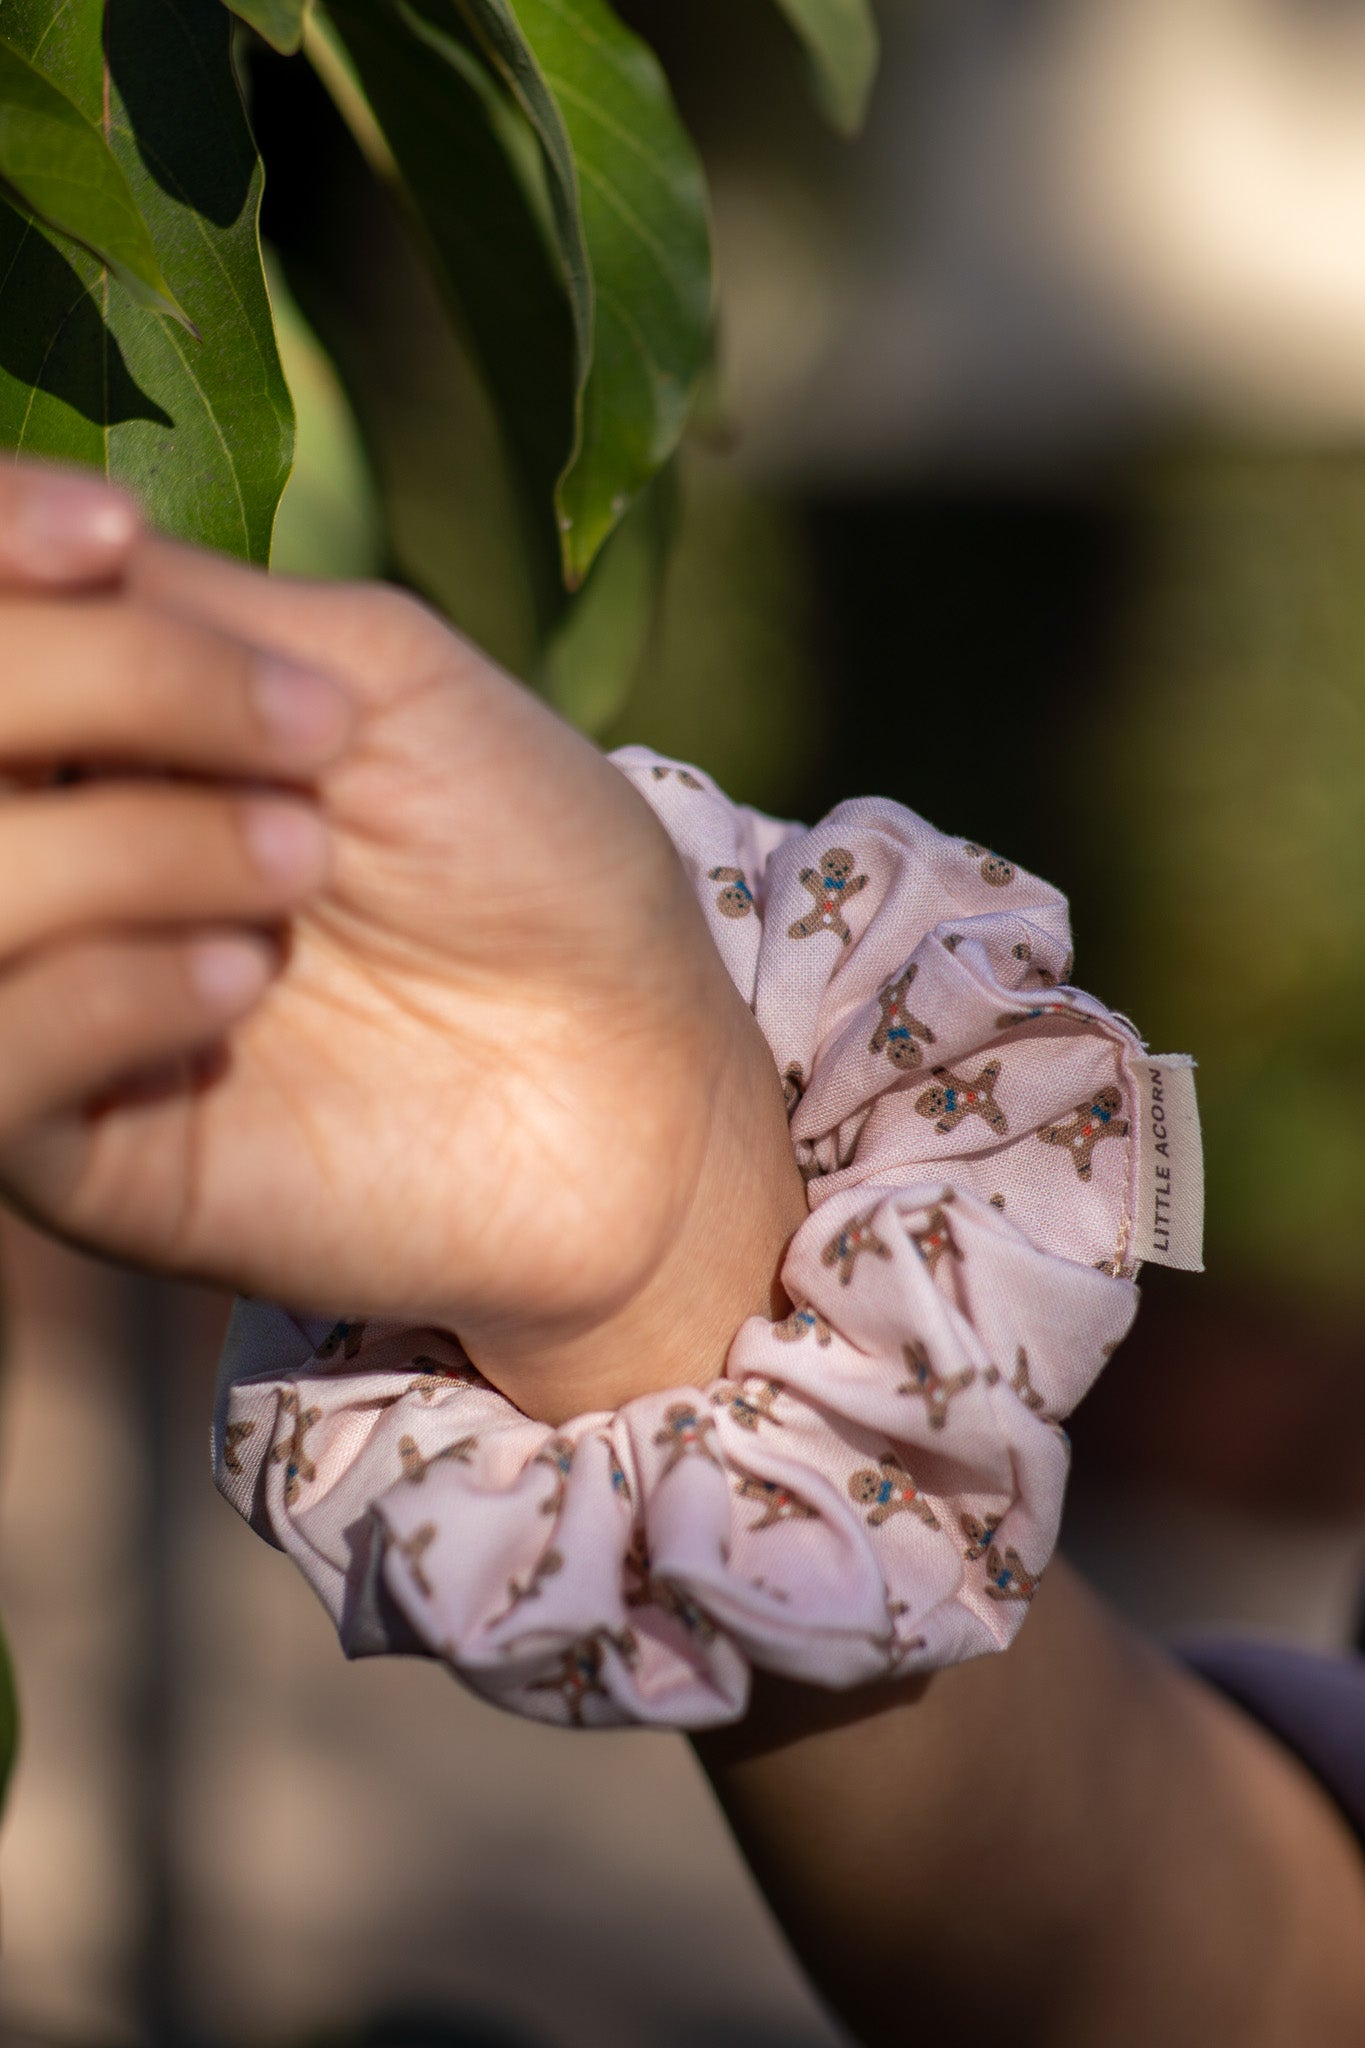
(501, 1080)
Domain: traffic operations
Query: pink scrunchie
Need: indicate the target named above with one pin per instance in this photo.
(876, 1483)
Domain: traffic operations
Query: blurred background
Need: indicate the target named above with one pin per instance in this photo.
(1032, 494)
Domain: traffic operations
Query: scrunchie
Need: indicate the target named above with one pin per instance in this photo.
(874, 1486)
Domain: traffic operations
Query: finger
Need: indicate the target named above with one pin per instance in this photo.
(150, 853)
(61, 528)
(77, 1019)
(101, 678)
(368, 634)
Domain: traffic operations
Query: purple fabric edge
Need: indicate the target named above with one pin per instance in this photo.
(1313, 1703)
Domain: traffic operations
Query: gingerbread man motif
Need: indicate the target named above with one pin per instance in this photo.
(643, 1589)
(416, 1466)
(886, 1490)
(414, 1548)
(750, 1404)
(1024, 952)
(736, 899)
(235, 1434)
(936, 1240)
(289, 1451)
(1006, 1578)
(558, 1455)
(932, 1388)
(1009, 1018)
(833, 885)
(794, 1327)
(980, 1536)
(1022, 1384)
(684, 775)
(440, 1379)
(529, 1588)
(620, 1485)
(895, 1648)
(1083, 1130)
(847, 1246)
(435, 1378)
(579, 1672)
(779, 1503)
(684, 1433)
(1019, 1380)
(900, 1033)
(955, 1097)
(994, 868)
(344, 1339)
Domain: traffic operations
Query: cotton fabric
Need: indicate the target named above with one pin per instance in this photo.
(874, 1485)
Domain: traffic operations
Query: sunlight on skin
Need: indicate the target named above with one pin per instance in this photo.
(500, 1081)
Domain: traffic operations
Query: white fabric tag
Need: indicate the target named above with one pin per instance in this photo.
(1169, 1227)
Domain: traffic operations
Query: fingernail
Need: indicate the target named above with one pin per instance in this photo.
(229, 973)
(69, 525)
(286, 841)
(305, 713)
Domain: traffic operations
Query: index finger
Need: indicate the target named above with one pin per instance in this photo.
(62, 528)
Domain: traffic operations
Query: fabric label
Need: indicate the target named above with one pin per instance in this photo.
(1169, 1226)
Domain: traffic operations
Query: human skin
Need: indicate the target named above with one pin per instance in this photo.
(483, 1067)
(494, 1077)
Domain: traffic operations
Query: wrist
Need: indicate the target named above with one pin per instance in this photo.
(743, 1200)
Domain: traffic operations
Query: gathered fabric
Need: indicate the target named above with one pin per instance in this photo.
(874, 1486)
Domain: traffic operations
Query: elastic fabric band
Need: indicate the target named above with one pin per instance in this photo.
(875, 1484)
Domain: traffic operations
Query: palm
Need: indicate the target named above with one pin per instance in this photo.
(489, 1001)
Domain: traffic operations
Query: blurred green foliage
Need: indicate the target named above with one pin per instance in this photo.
(1236, 810)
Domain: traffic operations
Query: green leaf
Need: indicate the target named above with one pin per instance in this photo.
(431, 118)
(57, 164)
(279, 21)
(595, 654)
(628, 204)
(841, 42)
(201, 431)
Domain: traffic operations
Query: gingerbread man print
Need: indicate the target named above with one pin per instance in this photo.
(1007, 1019)
(1006, 1578)
(900, 1033)
(954, 1097)
(980, 1536)
(435, 1378)
(684, 775)
(1089, 1123)
(794, 1327)
(932, 1388)
(779, 1503)
(235, 1434)
(529, 1588)
(847, 1246)
(736, 898)
(936, 1240)
(833, 885)
(342, 1340)
(416, 1466)
(750, 1404)
(290, 1451)
(684, 1435)
(886, 1490)
(579, 1672)
(558, 1455)
(994, 868)
(414, 1548)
